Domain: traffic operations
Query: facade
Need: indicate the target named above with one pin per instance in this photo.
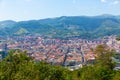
(3, 50)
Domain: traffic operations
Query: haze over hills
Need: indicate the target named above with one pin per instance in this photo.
(65, 26)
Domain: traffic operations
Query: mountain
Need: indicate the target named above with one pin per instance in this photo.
(7, 23)
(65, 26)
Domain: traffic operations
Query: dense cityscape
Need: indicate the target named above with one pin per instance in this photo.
(71, 53)
(59, 39)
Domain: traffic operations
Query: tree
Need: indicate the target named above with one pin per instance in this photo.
(104, 57)
(118, 39)
(18, 66)
(102, 68)
(116, 75)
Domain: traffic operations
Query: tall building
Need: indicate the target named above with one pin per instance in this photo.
(3, 50)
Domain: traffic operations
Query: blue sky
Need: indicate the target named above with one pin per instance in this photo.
(19, 10)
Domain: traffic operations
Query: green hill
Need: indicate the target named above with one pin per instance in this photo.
(64, 27)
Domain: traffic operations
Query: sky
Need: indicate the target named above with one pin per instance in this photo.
(20, 10)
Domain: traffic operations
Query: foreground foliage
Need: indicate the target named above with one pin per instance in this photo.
(118, 39)
(18, 66)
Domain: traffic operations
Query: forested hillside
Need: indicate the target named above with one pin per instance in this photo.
(64, 27)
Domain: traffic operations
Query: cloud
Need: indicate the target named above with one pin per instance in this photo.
(104, 1)
(111, 2)
(116, 2)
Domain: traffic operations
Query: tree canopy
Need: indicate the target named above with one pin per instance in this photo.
(18, 66)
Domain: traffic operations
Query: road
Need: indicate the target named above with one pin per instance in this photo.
(82, 54)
